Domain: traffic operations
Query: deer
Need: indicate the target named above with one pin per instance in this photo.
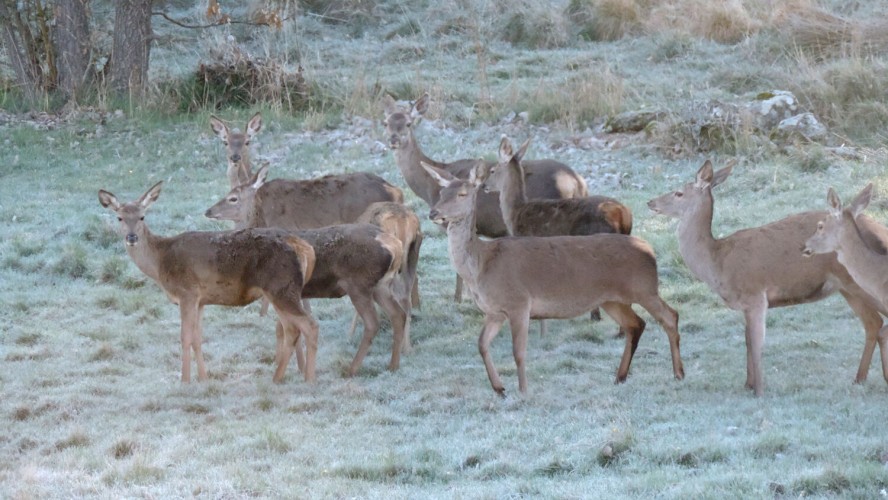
(303, 204)
(861, 245)
(399, 221)
(762, 267)
(545, 178)
(237, 147)
(548, 217)
(228, 268)
(358, 260)
(523, 278)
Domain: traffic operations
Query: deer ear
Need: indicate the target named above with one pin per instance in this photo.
(832, 198)
(442, 177)
(420, 106)
(721, 175)
(151, 195)
(107, 199)
(519, 155)
(389, 106)
(862, 200)
(704, 176)
(505, 150)
(260, 176)
(254, 125)
(219, 128)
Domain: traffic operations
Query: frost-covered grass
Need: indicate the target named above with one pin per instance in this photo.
(90, 398)
(93, 406)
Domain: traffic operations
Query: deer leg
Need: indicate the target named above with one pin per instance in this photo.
(414, 293)
(364, 305)
(399, 320)
(288, 339)
(197, 345)
(457, 294)
(872, 326)
(354, 326)
(309, 327)
(755, 315)
(633, 325)
(668, 320)
(281, 338)
(187, 314)
(883, 350)
(492, 325)
(518, 323)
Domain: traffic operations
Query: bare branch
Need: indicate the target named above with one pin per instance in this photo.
(225, 20)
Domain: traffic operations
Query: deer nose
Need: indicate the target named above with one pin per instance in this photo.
(394, 142)
(132, 239)
(433, 214)
(235, 158)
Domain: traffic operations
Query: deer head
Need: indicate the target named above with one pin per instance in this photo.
(399, 123)
(131, 215)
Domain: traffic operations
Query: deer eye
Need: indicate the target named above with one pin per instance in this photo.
(232, 199)
(225, 142)
(120, 219)
(679, 194)
(142, 218)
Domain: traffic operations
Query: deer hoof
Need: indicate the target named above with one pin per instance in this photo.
(501, 391)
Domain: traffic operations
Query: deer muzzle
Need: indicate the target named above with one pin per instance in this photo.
(131, 239)
(235, 158)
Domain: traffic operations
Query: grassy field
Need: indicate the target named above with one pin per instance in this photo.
(90, 397)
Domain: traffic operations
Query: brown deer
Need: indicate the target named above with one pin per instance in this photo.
(547, 217)
(861, 245)
(303, 204)
(237, 148)
(545, 178)
(399, 221)
(358, 260)
(229, 268)
(519, 279)
(762, 267)
(580, 216)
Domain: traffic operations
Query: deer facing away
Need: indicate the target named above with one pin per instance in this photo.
(518, 279)
(399, 221)
(861, 245)
(237, 148)
(545, 178)
(230, 268)
(761, 267)
(358, 260)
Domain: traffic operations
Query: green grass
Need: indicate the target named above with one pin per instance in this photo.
(91, 400)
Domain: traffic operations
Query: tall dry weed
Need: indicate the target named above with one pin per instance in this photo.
(606, 20)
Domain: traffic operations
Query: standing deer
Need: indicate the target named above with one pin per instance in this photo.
(861, 245)
(237, 148)
(230, 268)
(519, 279)
(545, 178)
(758, 268)
(399, 221)
(581, 216)
(303, 204)
(358, 260)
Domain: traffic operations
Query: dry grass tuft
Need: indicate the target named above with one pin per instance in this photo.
(123, 449)
(585, 97)
(602, 20)
(75, 440)
(536, 25)
(723, 22)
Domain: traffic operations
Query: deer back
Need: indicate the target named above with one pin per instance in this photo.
(332, 199)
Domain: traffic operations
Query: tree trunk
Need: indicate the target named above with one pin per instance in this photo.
(27, 71)
(72, 42)
(131, 47)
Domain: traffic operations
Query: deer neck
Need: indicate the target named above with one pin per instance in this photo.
(696, 244)
(513, 195)
(148, 253)
(408, 159)
(853, 253)
(465, 246)
(241, 171)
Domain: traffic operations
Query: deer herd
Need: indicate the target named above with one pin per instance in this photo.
(549, 250)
